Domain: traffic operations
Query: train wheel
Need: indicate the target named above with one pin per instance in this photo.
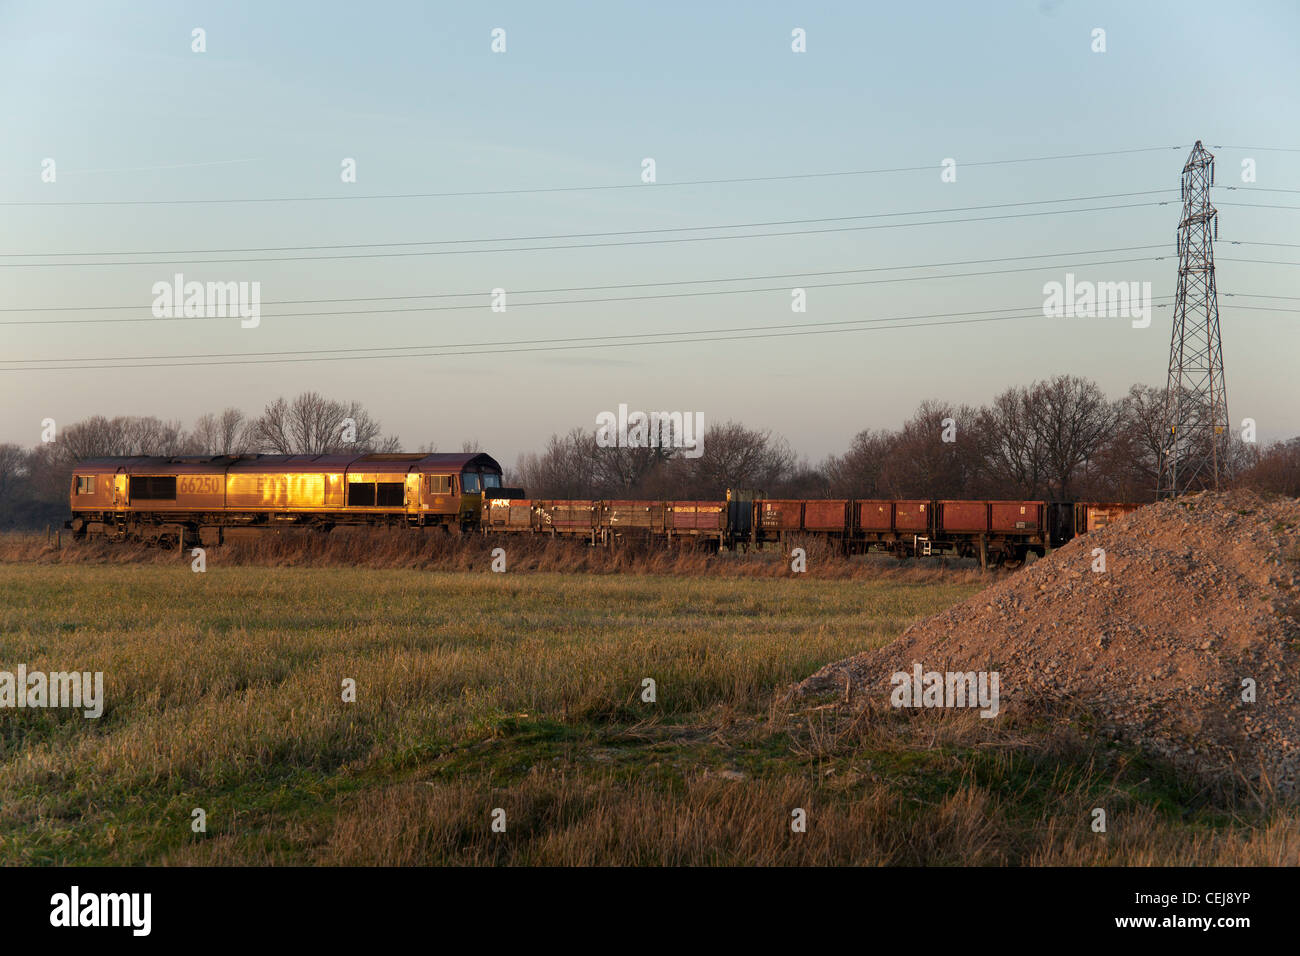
(1013, 560)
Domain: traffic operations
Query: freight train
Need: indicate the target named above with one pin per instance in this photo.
(207, 499)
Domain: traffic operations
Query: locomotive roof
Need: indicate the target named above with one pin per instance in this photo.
(375, 462)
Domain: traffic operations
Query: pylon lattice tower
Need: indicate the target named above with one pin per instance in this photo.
(1194, 453)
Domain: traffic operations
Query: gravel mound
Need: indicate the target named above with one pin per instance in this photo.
(1198, 595)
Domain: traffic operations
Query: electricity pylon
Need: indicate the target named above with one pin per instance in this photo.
(1194, 453)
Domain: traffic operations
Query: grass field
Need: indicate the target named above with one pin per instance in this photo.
(523, 691)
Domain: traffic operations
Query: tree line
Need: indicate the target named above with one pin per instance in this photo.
(1057, 439)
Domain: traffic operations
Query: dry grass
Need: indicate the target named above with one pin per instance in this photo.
(436, 550)
(877, 790)
(522, 692)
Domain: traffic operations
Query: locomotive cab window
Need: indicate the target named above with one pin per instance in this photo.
(438, 484)
(85, 484)
(491, 481)
(469, 483)
(153, 487)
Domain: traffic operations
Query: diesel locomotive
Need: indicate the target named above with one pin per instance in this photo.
(202, 499)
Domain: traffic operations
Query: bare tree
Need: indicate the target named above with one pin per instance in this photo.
(13, 469)
(1278, 469)
(270, 431)
(1073, 420)
(1125, 467)
(152, 436)
(93, 438)
(738, 457)
(564, 469)
(934, 455)
(314, 425)
(804, 480)
(628, 471)
(124, 435)
(1011, 444)
(856, 473)
(38, 493)
(222, 434)
(33, 485)
(1142, 420)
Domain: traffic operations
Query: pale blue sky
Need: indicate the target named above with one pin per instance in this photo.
(113, 93)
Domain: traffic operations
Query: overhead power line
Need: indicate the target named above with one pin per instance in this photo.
(611, 299)
(1268, 149)
(479, 293)
(681, 337)
(1260, 262)
(1258, 189)
(1246, 242)
(590, 188)
(586, 301)
(595, 245)
(1257, 205)
(643, 285)
(590, 301)
(588, 235)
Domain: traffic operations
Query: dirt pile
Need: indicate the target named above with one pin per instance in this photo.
(1198, 596)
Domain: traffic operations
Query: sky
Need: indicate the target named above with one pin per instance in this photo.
(140, 124)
